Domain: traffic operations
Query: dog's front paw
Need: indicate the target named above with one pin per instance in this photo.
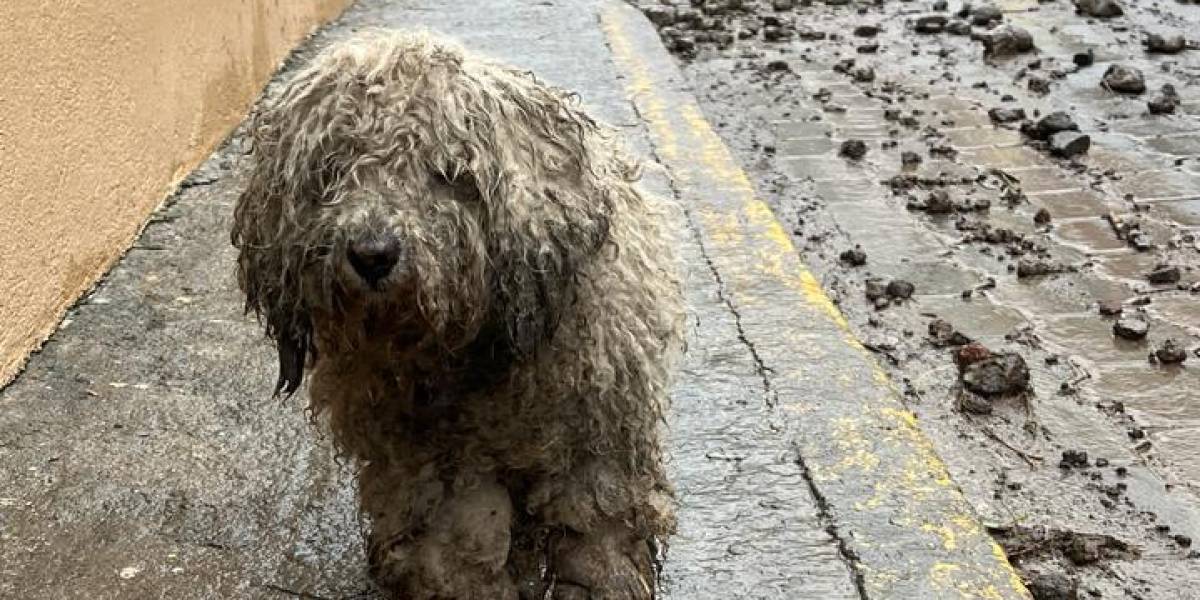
(611, 563)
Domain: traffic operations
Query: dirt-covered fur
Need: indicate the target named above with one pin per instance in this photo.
(488, 309)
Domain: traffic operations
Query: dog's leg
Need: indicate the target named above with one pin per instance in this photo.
(609, 519)
(435, 540)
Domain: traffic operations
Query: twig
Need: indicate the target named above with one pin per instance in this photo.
(1027, 457)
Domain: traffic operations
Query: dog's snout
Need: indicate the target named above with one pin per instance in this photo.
(373, 259)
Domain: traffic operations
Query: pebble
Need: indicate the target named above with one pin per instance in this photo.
(1168, 44)
(1069, 144)
(1053, 586)
(853, 149)
(997, 374)
(854, 257)
(1103, 9)
(958, 27)
(1006, 115)
(1110, 309)
(1007, 40)
(1170, 353)
(1034, 267)
(930, 24)
(1131, 328)
(901, 289)
(1042, 217)
(1124, 79)
(1163, 274)
(1165, 102)
(866, 30)
(944, 334)
(1051, 124)
(1073, 458)
(1084, 59)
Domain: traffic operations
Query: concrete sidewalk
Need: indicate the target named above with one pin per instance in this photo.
(141, 457)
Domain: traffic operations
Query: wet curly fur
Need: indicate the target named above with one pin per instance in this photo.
(502, 383)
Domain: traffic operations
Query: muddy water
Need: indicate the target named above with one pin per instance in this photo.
(1091, 391)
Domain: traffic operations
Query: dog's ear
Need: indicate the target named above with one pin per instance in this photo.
(294, 349)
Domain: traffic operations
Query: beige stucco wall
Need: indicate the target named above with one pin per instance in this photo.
(104, 106)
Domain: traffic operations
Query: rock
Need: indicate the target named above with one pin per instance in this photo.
(875, 289)
(1170, 353)
(1073, 458)
(660, 15)
(853, 149)
(867, 49)
(1039, 85)
(975, 404)
(1042, 217)
(778, 65)
(782, 5)
(1069, 144)
(944, 334)
(1007, 40)
(909, 158)
(866, 30)
(997, 374)
(1169, 44)
(1084, 59)
(854, 257)
(958, 27)
(1124, 79)
(1034, 267)
(985, 14)
(1103, 9)
(773, 33)
(930, 24)
(1131, 328)
(900, 289)
(970, 354)
(1163, 275)
(1053, 586)
(1110, 309)
(939, 203)
(940, 5)
(1006, 115)
(1051, 124)
(1165, 102)
(862, 74)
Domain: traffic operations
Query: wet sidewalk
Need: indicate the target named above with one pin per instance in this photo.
(142, 457)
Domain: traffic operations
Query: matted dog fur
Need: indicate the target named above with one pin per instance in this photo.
(487, 307)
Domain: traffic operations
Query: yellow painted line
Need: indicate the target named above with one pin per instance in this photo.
(752, 247)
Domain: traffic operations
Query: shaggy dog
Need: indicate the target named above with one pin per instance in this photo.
(488, 309)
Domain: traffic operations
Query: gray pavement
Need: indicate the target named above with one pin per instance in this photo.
(141, 455)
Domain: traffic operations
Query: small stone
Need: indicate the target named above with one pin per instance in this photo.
(985, 14)
(1131, 328)
(940, 5)
(1042, 217)
(1069, 144)
(1110, 309)
(1034, 267)
(1170, 353)
(867, 49)
(901, 289)
(939, 203)
(854, 257)
(1007, 40)
(875, 289)
(776, 34)
(778, 65)
(958, 27)
(853, 149)
(1006, 115)
(1084, 59)
(1103, 9)
(1053, 586)
(909, 158)
(944, 334)
(1168, 44)
(1053, 123)
(975, 404)
(1163, 275)
(1165, 102)
(862, 74)
(930, 24)
(998, 374)
(782, 5)
(1183, 540)
(1073, 459)
(1124, 79)
(866, 30)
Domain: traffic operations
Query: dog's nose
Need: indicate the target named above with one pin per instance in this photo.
(374, 259)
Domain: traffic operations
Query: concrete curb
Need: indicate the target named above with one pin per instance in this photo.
(901, 522)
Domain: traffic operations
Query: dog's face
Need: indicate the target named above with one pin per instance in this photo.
(402, 190)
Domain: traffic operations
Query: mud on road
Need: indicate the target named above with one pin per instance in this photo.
(1004, 200)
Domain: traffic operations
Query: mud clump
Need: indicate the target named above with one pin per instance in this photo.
(853, 149)
(900, 289)
(996, 375)
(1079, 548)
(1131, 328)
(1124, 79)
(1170, 353)
(1073, 459)
(1036, 267)
(882, 295)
